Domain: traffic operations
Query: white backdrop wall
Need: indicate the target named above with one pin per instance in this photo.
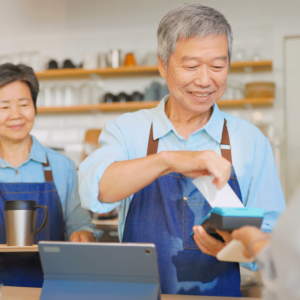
(63, 29)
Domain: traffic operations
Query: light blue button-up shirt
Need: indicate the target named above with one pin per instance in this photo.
(127, 138)
(65, 179)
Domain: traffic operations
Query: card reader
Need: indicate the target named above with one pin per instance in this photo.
(231, 218)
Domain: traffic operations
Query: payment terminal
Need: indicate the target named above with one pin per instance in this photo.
(231, 218)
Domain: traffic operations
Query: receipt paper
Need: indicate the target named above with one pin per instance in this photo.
(225, 197)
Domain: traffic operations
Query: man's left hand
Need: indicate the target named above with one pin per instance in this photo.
(82, 236)
(207, 244)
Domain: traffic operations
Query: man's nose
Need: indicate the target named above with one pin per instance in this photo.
(203, 77)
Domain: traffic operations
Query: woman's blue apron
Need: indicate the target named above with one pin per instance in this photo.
(164, 213)
(24, 269)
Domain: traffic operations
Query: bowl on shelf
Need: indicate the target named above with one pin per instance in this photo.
(68, 64)
(137, 96)
(109, 98)
(123, 97)
(52, 64)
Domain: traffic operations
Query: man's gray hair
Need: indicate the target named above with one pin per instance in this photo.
(190, 20)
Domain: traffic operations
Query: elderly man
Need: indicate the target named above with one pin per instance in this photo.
(148, 159)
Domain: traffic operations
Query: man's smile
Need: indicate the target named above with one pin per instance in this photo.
(201, 95)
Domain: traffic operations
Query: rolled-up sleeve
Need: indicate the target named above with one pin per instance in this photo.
(265, 189)
(76, 218)
(113, 148)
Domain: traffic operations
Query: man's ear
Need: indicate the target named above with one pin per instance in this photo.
(162, 68)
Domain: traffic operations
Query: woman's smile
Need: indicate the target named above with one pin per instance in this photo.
(16, 127)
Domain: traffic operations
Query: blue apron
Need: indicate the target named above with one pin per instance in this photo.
(164, 213)
(24, 269)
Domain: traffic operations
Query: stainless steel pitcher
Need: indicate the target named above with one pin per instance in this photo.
(20, 219)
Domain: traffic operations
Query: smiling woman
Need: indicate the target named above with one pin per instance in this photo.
(16, 120)
(29, 171)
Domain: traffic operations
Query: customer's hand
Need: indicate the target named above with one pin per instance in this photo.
(208, 244)
(82, 236)
(248, 235)
(199, 163)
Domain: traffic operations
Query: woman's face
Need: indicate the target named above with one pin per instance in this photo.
(16, 111)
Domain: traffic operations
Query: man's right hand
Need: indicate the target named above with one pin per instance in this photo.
(199, 163)
(124, 178)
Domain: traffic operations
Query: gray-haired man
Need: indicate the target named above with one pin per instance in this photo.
(148, 159)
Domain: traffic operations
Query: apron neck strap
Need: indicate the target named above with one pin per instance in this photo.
(47, 170)
(152, 144)
(224, 145)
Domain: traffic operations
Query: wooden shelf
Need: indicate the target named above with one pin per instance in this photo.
(133, 106)
(251, 66)
(140, 71)
(247, 102)
(129, 106)
(108, 72)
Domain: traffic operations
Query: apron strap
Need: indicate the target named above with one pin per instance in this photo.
(152, 144)
(224, 145)
(47, 173)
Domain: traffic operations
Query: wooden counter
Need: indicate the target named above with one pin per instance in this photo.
(17, 293)
(5, 248)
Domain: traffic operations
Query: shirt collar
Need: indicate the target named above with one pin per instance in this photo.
(214, 127)
(37, 153)
(162, 125)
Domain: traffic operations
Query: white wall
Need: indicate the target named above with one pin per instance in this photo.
(292, 80)
(67, 28)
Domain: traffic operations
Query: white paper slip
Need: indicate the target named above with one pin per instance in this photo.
(234, 252)
(225, 197)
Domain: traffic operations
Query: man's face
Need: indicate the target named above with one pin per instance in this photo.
(197, 72)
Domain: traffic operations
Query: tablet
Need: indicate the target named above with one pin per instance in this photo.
(93, 271)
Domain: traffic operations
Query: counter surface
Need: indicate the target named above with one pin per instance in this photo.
(5, 248)
(17, 293)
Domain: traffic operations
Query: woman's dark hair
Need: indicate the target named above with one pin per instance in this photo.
(10, 73)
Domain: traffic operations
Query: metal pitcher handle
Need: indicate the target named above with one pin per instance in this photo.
(44, 208)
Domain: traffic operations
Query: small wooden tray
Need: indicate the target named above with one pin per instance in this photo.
(5, 248)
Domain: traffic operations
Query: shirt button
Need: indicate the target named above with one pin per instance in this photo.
(185, 198)
(17, 172)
